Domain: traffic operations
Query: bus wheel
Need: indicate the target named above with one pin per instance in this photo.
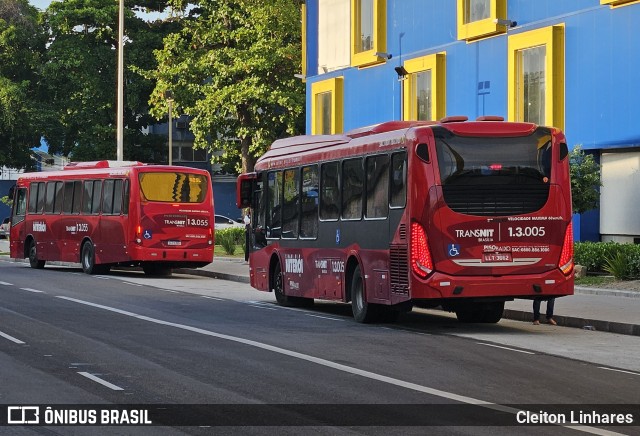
(33, 256)
(155, 270)
(281, 298)
(362, 311)
(88, 259)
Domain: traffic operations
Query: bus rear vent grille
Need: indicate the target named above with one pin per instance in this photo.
(399, 269)
(495, 200)
(403, 231)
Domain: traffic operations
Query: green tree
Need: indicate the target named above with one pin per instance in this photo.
(22, 43)
(585, 180)
(231, 69)
(80, 77)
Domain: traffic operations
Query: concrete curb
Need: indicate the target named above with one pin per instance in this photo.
(212, 274)
(581, 323)
(607, 292)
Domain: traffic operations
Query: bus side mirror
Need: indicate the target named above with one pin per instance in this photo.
(244, 190)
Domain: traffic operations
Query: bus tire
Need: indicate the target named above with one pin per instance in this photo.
(34, 262)
(277, 286)
(155, 270)
(88, 258)
(362, 311)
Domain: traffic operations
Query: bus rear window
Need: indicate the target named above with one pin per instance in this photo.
(173, 187)
(512, 160)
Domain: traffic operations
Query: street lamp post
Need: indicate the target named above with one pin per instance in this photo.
(169, 96)
(120, 114)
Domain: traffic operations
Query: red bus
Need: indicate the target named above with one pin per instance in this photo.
(459, 214)
(109, 213)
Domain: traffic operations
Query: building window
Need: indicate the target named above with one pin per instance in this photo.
(536, 76)
(327, 107)
(184, 152)
(425, 88)
(368, 31)
(479, 18)
(614, 3)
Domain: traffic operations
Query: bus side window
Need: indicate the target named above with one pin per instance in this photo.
(57, 202)
(353, 177)
(330, 191)
(68, 198)
(49, 197)
(40, 198)
(87, 197)
(398, 197)
(77, 197)
(97, 191)
(377, 186)
(291, 204)
(107, 197)
(125, 199)
(117, 197)
(33, 197)
(309, 218)
(274, 204)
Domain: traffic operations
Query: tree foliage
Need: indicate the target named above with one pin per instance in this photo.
(22, 44)
(585, 180)
(231, 69)
(81, 80)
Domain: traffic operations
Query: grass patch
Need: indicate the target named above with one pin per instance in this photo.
(218, 251)
(595, 280)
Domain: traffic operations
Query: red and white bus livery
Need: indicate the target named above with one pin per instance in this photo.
(460, 214)
(110, 213)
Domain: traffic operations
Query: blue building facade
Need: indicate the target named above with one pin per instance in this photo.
(571, 64)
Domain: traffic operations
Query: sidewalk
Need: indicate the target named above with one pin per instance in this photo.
(605, 310)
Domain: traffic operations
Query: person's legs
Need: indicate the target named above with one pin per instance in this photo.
(550, 304)
(536, 311)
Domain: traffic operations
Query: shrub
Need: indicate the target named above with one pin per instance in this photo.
(618, 266)
(229, 238)
(609, 257)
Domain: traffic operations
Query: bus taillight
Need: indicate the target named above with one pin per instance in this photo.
(139, 234)
(566, 257)
(420, 255)
(210, 236)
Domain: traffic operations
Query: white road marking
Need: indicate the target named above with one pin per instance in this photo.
(99, 380)
(102, 277)
(132, 284)
(324, 317)
(261, 307)
(619, 370)
(505, 348)
(11, 338)
(211, 298)
(33, 290)
(6, 284)
(334, 365)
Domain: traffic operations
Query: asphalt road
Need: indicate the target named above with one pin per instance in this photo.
(70, 338)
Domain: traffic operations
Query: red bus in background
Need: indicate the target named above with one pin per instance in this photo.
(459, 214)
(109, 213)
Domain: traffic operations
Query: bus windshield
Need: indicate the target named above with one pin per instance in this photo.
(173, 187)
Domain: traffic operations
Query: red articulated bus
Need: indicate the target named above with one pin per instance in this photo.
(459, 214)
(109, 213)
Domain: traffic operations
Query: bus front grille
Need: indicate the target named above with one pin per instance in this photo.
(399, 269)
(495, 200)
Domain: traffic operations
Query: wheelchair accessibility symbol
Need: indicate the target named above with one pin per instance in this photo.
(147, 234)
(454, 250)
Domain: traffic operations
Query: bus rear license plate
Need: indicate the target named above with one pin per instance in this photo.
(496, 257)
(174, 243)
